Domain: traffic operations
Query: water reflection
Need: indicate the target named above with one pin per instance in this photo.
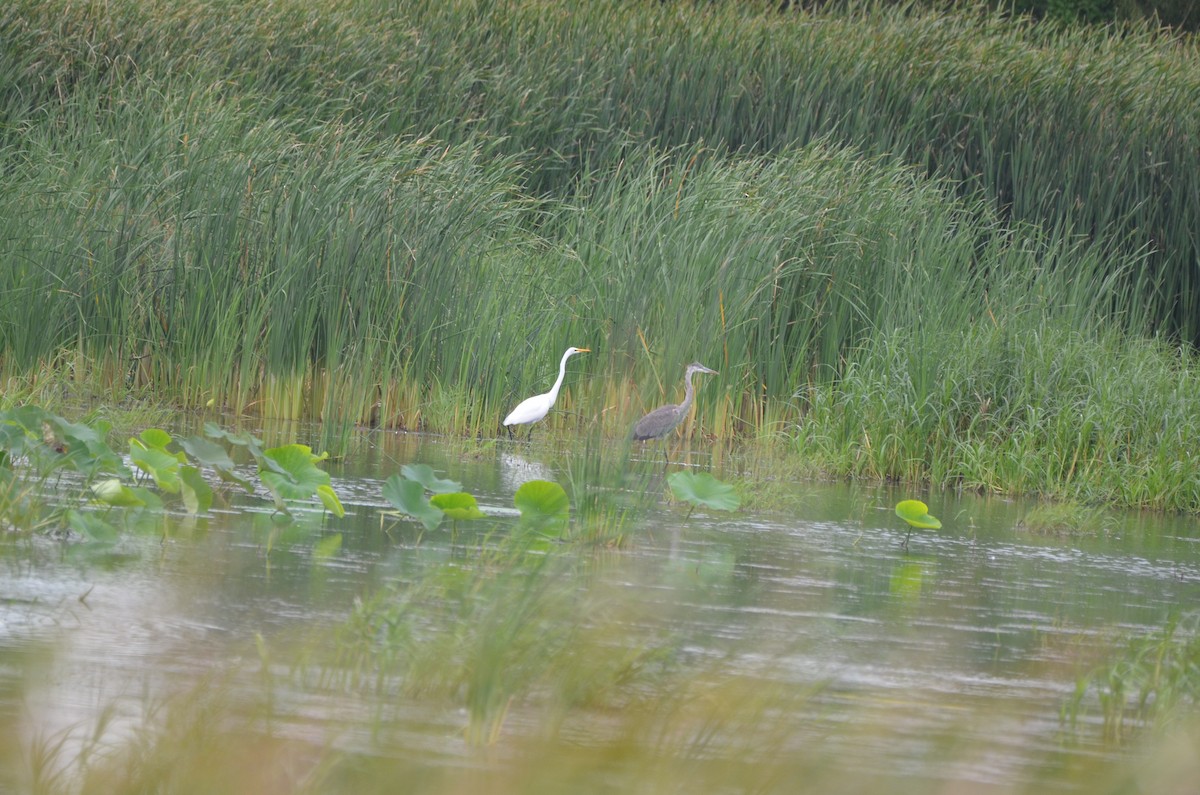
(516, 469)
(976, 632)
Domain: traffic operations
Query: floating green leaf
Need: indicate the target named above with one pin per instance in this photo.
(701, 488)
(155, 437)
(207, 453)
(458, 505)
(290, 473)
(916, 513)
(87, 450)
(197, 494)
(249, 441)
(49, 442)
(91, 526)
(542, 503)
(113, 492)
(149, 453)
(408, 497)
(329, 499)
(152, 501)
(211, 454)
(423, 474)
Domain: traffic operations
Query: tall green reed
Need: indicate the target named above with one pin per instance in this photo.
(410, 201)
(1015, 408)
(219, 255)
(1090, 131)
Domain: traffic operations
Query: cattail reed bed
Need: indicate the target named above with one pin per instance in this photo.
(897, 234)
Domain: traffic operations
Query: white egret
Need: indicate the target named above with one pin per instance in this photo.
(530, 410)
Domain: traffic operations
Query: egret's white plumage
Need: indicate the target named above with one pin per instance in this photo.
(532, 409)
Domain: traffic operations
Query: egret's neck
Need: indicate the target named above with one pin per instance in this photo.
(562, 373)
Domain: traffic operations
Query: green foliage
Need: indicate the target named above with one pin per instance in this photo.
(423, 474)
(1003, 408)
(90, 526)
(35, 445)
(291, 473)
(457, 505)
(702, 489)
(1155, 682)
(149, 453)
(406, 492)
(337, 213)
(519, 630)
(1064, 518)
(210, 454)
(916, 513)
(543, 504)
(408, 497)
(1182, 14)
(115, 493)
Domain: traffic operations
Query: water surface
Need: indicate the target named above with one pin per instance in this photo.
(970, 638)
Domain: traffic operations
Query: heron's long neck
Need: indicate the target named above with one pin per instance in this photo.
(688, 393)
(562, 373)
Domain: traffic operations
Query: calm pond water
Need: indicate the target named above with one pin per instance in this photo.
(974, 636)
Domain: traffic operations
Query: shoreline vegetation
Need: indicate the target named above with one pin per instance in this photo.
(953, 248)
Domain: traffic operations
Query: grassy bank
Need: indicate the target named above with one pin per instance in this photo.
(915, 245)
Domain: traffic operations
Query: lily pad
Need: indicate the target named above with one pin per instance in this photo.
(91, 526)
(408, 497)
(542, 503)
(329, 499)
(113, 492)
(240, 439)
(197, 494)
(211, 454)
(423, 474)
(916, 513)
(88, 451)
(149, 453)
(458, 505)
(290, 473)
(702, 489)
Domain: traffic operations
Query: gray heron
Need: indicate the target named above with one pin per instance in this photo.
(663, 420)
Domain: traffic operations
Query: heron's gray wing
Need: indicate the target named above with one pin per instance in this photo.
(657, 423)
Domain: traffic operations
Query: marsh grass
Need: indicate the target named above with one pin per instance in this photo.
(526, 630)
(657, 745)
(1150, 685)
(1073, 417)
(400, 216)
(1064, 519)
